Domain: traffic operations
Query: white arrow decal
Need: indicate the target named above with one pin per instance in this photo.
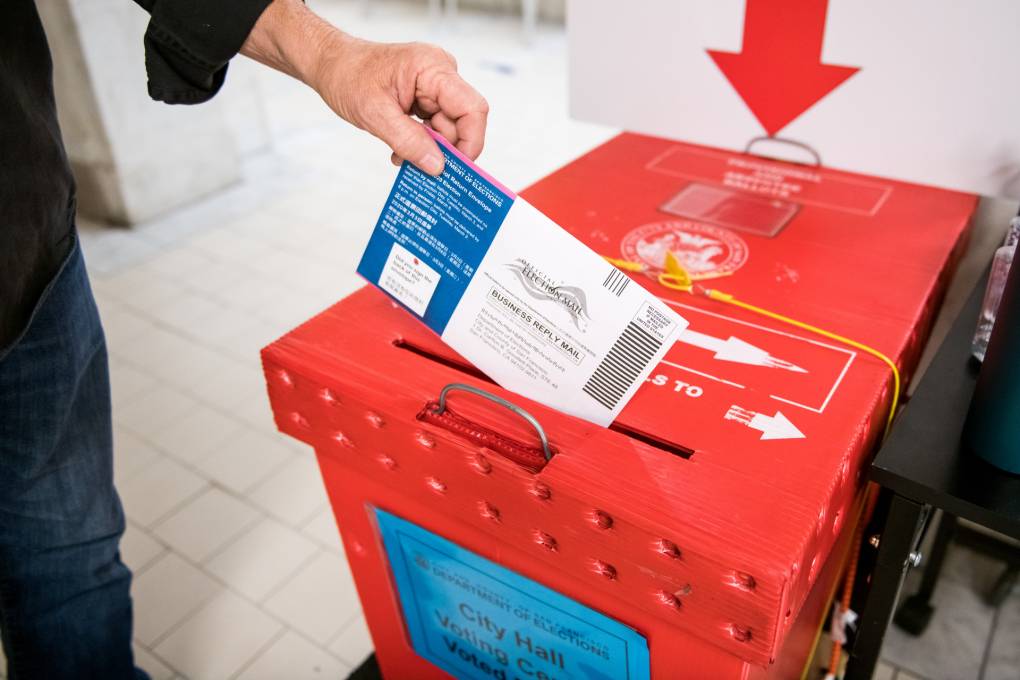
(736, 350)
(771, 427)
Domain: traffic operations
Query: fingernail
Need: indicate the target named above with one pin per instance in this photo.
(432, 164)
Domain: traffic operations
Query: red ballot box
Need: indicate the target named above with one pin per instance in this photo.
(700, 535)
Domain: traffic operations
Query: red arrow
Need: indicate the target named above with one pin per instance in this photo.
(778, 72)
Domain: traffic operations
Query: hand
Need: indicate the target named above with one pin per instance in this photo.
(375, 86)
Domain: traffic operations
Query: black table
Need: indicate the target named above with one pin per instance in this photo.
(922, 467)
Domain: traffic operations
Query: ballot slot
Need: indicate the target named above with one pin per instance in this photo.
(666, 446)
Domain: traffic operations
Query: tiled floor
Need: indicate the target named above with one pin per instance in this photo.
(239, 571)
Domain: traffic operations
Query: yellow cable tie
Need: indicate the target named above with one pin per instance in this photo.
(729, 299)
(625, 265)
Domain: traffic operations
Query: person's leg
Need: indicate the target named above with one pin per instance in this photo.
(65, 606)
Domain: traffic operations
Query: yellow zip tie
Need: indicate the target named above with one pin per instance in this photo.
(675, 277)
(730, 300)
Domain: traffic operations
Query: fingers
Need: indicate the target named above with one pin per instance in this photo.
(446, 127)
(409, 140)
(461, 104)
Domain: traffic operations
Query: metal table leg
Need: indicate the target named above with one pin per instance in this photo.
(902, 526)
(916, 611)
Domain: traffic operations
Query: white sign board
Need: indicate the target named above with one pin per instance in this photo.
(921, 90)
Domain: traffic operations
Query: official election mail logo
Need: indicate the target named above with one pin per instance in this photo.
(538, 285)
(704, 250)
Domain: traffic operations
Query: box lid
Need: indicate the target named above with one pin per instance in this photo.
(747, 444)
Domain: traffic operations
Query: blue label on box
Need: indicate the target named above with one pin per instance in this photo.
(478, 620)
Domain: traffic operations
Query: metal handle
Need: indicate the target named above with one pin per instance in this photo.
(792, 142)
(502, 402)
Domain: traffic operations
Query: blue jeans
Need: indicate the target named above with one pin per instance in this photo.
(65, 605)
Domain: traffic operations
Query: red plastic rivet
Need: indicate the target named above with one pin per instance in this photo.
(546, 541)
(481, 464)
(739, 633)
(329, 396)
(668, 599)
(604, 569)
(668, 549)
(357, 548)
(299, 420)
(795, 568)
(837, 522)
(387, 462)
(541, 491)
(424, 440)
(742, 581)
(815, 564)
(489, 511)
(375, 420)
(601, 520)
(436, 485)
(342, 439)
(284, 378)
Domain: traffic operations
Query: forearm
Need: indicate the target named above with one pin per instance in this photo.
(291, 38)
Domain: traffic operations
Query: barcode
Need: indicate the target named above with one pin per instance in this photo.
(621, 366)
(616, 281)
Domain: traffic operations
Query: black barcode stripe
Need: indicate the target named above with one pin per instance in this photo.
(622, 365)
(616, 281)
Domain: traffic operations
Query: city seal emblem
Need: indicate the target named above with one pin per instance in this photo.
(704, 250)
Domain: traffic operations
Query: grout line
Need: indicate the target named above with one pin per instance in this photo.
(179, 506)
(259, 652)
(285, 581)
(258, 605)
(988, 643)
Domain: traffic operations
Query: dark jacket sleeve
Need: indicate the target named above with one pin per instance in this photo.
(189, 42)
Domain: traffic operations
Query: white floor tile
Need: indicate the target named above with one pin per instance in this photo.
(219, 639)
(123, 325)
(187, 312)
(141, 290)
(884, 671)
(294, 658)
(293, 493)
(319, 600)
(205, 524)
(154, 410)
(260, 560)
(165, 594)
(148, 662)
(196, 435)
(255, 410)
(180, 264)
(215, 277)
(323, 528)
(127, 383)
(138, 549)
(354, 644)
(131, 454)
(230, 380)
(244, 460)
(158, 489)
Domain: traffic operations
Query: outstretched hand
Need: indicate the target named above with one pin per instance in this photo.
(378, 87)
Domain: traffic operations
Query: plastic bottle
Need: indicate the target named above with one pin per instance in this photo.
(993, 293)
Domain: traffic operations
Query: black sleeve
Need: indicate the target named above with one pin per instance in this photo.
(189, 42)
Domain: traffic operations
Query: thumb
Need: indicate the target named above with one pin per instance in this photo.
(410, 141)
